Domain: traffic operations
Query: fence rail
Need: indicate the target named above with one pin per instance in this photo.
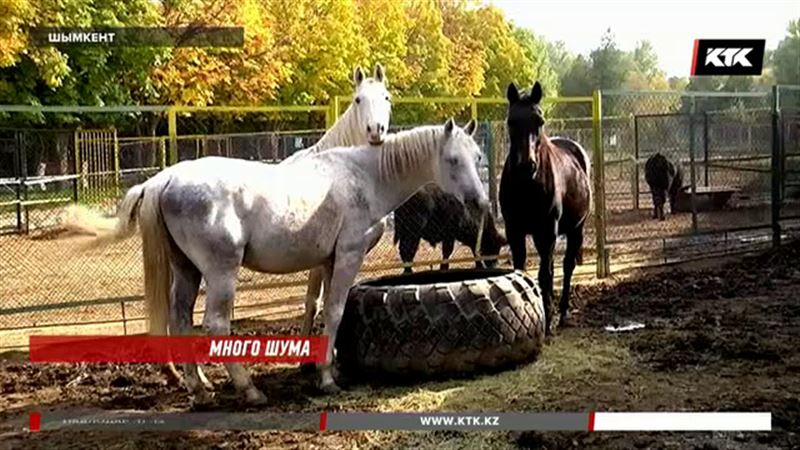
(744, 143)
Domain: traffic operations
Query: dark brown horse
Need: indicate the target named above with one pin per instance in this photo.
(544, 192)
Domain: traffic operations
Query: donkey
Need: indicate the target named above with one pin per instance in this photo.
(665, 179)
(211, 216)
(436, 216)
(544, 192)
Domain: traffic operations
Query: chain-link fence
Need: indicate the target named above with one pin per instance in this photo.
(720, 148)
(722, 144)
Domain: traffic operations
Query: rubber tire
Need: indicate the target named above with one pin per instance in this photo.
(414, 325)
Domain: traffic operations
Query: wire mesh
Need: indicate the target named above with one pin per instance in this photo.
(722, 144)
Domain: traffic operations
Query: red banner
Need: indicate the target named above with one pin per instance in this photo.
(162, 349)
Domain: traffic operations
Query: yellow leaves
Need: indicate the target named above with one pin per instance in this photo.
(53, 65)
(13, 15)
(295, 51)
(382, 25)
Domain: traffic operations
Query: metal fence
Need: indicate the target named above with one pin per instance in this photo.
(735, 153)
(724, 143)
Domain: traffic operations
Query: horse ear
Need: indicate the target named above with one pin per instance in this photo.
(536, 93)
(358, 76)
(380, 73)
(512, 94)
(470, 127)
(449, 125)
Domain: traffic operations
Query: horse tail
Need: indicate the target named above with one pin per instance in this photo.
(106, 230)
(155, 252)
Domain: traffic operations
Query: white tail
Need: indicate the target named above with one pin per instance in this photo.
(81, 219)
(155, 252)
(140, 204)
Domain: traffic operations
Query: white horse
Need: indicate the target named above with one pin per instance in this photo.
(371, 109)
(365, 121)
(211, 216)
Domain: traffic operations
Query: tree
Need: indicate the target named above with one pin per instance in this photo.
(428, 57)
(645, 61)
(14, 14)
(536, 51)
(204, 76)
(785, 60)
(383, 25)
(610, 65)
(560, 58)
(87, 75)
(466, 66)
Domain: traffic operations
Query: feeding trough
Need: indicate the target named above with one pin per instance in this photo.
(707, 198)
(438, 323)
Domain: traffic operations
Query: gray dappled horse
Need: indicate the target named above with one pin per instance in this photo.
(365, 121)
(211, 216)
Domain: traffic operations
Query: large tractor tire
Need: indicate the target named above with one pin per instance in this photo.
(441, 323)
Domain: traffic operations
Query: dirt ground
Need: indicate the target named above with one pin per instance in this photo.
(717, 338)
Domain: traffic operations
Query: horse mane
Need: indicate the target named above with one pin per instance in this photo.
(546, 153)
(342, 131)
(408, 151)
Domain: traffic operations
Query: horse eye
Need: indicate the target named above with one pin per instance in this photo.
(358, 99)
(388, 99)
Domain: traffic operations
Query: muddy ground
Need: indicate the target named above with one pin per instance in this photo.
(716, 339)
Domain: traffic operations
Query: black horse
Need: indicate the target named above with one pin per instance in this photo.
(665, 179)
(436, 216)
(544, 192)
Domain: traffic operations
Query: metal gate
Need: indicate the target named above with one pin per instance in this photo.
(97, 154)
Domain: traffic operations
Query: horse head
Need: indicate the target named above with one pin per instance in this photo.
(372, 103)
(525, 123)
(456, 170)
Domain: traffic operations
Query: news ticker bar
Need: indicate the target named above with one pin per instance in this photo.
(178, 349)
(138, 36)
(94, 420)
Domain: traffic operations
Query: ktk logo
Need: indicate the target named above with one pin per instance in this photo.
(728, 56)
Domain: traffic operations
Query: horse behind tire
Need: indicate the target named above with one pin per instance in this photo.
(441, 323)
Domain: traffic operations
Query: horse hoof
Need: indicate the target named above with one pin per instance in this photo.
(202, 399)
(330, 388)
(308, 368)
(173, 377)
(565, 321)
(254, 396)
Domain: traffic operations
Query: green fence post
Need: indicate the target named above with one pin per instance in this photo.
(692, 169)
(172, 124)
(330, 115)
(162, 158)
(492, 164)
(599, 186)
(635, 179)
(474, 109)
(78, 172)
(705, 148)
(116, 161)
(18, 168)
(24, 178)
(776, 169)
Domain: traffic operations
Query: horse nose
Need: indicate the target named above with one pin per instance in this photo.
(381, 128)
(369, 129)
